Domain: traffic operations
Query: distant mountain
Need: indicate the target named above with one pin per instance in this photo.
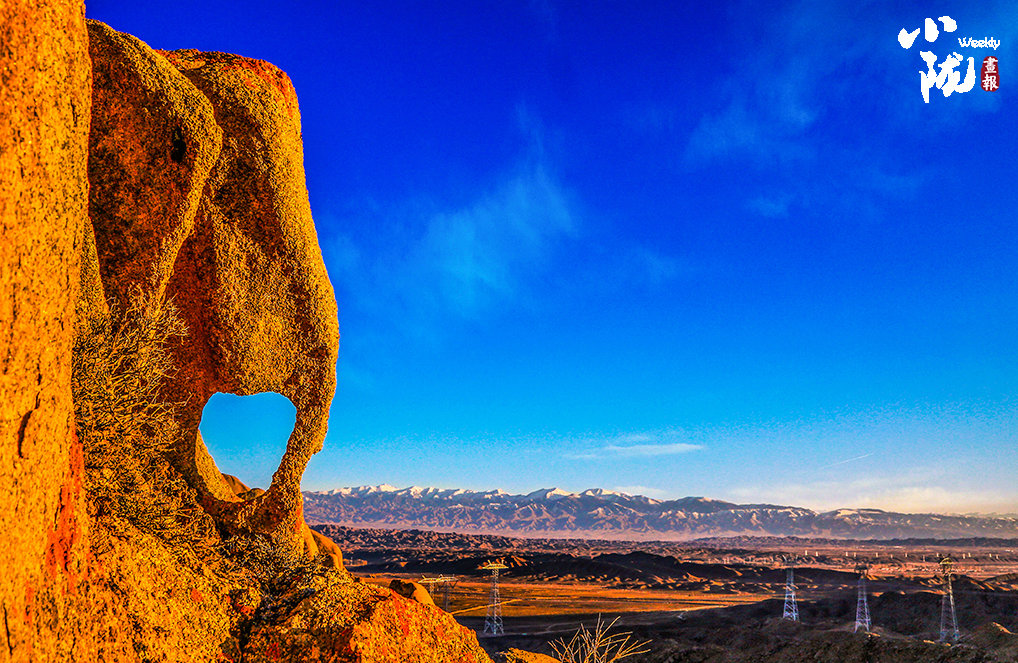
(609, 514)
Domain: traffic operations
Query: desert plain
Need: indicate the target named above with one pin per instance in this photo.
(718, 599)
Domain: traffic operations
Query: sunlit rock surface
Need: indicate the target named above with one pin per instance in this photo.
(197, 195)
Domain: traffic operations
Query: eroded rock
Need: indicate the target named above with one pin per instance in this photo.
(329, 553)
(152, 144)
(316, 545)
(198, 192)
(251, 284)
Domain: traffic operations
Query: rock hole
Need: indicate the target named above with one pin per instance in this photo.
(247, 435)
(179, 148)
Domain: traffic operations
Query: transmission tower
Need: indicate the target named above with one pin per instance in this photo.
(862, 607)
(447, 583)
(493, 620)
(948, 618)
(791, 611)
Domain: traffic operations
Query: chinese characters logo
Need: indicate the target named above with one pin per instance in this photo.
(949, 80)
(989, 75)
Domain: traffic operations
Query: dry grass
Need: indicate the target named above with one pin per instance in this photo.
(126, 425)
(598, 645)
(271, 568)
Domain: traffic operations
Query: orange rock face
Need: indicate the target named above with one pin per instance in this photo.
(411, 590)
(348, 622)
(44, 119)
(520, 656)
(152, 143)
(250, 279)
(198, 190)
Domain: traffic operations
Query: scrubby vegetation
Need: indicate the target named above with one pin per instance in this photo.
(126, 424)
(598, 645)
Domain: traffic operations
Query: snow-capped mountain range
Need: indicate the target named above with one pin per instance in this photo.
(609, 514)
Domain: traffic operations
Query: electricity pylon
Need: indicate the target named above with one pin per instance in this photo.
(791, 611)
(948, 618)
(447, 583)
(862, 606)
(493, 619)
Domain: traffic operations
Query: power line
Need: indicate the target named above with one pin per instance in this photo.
(862, 607)
(446, 582)
(948, 618)
(791, 611)
(493, 619)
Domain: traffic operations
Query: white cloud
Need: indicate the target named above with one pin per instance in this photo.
(651, 449)
(646, 444)
(743, 129)
(426, 262)
(471, 256)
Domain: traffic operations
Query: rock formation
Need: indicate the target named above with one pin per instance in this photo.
(361, 622)
(414, 591)
(316, 545)
(514, 655)
(197, 197)
(152, 144)
(198, 194)
(250, 280)
(44, 118)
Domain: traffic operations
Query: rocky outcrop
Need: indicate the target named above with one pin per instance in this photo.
(414, 591)
(44, 118)
(198, 194)
(250, 280)
(514, 655)
(353, 622)
(329, 554)
(316, 545)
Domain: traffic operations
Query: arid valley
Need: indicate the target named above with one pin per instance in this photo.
(713, 599)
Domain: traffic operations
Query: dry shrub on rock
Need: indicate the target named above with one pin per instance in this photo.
(119, 365)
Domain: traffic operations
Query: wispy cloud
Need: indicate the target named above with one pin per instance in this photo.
(651, 449)
(652, 267)
(799, 69)
(426, 261)
(639, 445)
(772, 207)
(471, 256)
(743, 129)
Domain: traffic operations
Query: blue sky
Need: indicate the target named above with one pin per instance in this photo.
(669, 248)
